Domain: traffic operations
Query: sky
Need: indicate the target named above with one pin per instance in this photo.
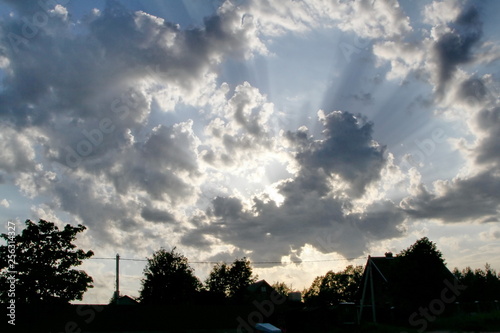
(303, 135)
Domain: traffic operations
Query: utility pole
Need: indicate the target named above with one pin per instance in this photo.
(368, 279)
(117, 291)
(373, 293)
(367, 272)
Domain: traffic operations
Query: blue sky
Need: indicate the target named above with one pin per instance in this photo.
(283, 131)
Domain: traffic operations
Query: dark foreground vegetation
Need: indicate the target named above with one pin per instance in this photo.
(206, 318)
(412, 291)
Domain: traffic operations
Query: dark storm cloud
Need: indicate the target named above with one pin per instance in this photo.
(455, 48)
(472, 197)
(312, 211)
(475, 197)
(156, 215)
(270, 231)
(299, 138)
(198, 241)
(473, 90)
(57, 72)
(79, 89)
(179, 56)
(157, 165)
(488, 150)
(223, 207)
(348, 150)
(463, 200)
(382, 220)
(244, 111)
(67, 84)
(78, 197)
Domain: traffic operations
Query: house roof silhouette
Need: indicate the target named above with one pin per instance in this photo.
(260, 287)
(126, 300)
(390, 282)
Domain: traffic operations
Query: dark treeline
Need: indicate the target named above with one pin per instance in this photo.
(482, 285)
(41, 263)
(45, 259)
(168, 280)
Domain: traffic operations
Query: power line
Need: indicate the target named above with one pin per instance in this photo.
(118, 258)
(253, 262)
(131, 259)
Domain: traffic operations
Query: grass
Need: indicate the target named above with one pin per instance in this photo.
(379, 329)
(368, 328)
(484, 322)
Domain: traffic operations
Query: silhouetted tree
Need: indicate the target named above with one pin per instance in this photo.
(168, 279)
(350, 279)
(231, 280)
(217, 281)
(423, 250)
(334, 287)
(423, 271)
(240, 277)
(311, 295)
(282, 288)
(44, 256)
(482, 286)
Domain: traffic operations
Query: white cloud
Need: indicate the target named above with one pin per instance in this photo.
(493, 234)
(122, 121)
(405, 58)
(315, 202)
(242, 133)
(17, 153)
(442, 12)
(368, 19)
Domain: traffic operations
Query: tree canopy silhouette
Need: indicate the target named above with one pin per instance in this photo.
(44, 256)
(334, 287)
(482, 285)
(423, 249)
(282, 288)
(217, 281)
(168, 279)
(422, 272)
(231, 280)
